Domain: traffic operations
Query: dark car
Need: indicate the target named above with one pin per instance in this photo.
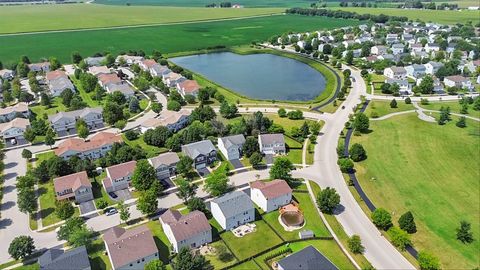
(113, 195)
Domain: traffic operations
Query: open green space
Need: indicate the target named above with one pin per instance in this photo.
(167, 39)
(438, 16)
(97, 257)
(202, 3)
(432, 171)
(34, 18)
(151, 150)
(56, 107)
(455, 107)
(248, 265)
(381, 108)
(215, 261)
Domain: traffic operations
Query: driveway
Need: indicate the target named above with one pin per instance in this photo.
(203, 172)
(269, 158)
(122, 195)
(236, 163)
(87, 207)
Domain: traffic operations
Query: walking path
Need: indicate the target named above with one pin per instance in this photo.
(391, 115)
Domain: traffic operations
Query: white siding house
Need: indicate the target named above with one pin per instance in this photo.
(270, 196)
(231, 146)
(232, 210)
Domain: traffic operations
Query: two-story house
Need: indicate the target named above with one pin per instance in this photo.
(73, 186)
(432, 67)
(395, 72)
(65, 121)
(58, 82)
(272, 144)
(72, 259)
(39, 67)
(119, 176)
(165, 164)
(95, 61)
(11, 112)
(232, 210)
(173, 120)
(231, 146)
(191, 230)
(96, 147)
(203, 153)
(415, 71)
(458, 81)
(14, 129)
(128, 59)
(271, 195)
(188, 87)
(130, 249)
(378, 50)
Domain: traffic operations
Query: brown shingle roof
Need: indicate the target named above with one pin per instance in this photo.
(71, 181)
(189, 86)
(109, 78)
(126, 246)
(19, 107)
(53, 75)
(187, 226)
(149, 63)
(272, 189)
(96, 141)
(121, 170)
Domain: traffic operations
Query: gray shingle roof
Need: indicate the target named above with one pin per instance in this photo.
(193, 150)
(307, 259)
(233, 140)
(74, 114)
(271, 138)
(57, 259)
(234, 203)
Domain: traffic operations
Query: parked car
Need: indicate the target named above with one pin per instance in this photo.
(111, 211)
(113, 195)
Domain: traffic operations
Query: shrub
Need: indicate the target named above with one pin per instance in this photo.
(355, 244)
(382, 219)
(424, 101)
(399, 237)
(357, 152)
(131, 135)
(408, 100)
(427, 261)
(407, 222)
(393, 104)
(346, 165)
(101, 203)
(282, 112)
(374, 114)
(327, 200)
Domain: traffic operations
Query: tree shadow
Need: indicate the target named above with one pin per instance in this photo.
(41, 191)
(46, 212)
(7, 205)
(11, 165)
(9, 176)
(4, 223)
(8, 189)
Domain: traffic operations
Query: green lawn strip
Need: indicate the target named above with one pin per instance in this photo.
(310, 153)
(382, 108)
(151, 150)
(455, 107)
(244, 247)
(98, 191)
(248, 265)
(97, 257)
(295, 156)
(161, 240)
(287, 123)
(202, 3)
(427, 177)
(56, 107)
(34, 266)
(86, 97)
(143, 104)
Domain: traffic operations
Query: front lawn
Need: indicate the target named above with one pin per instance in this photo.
(151, 151)
(47, 204)
(295, 156)
(310, 153)
(43, 156)
(248, 265)
(286, 123)
(432, 171)
(252, 243)
(161, 240)
(98, 191)
(56, 107)
(381, 108)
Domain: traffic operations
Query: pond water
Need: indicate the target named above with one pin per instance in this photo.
(259, 76)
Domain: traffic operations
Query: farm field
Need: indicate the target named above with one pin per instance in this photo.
(438, 16)
(420, 167)
(202, 3)
(167, 39)
(82, 16)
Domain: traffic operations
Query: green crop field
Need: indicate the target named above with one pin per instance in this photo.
(33, 18)
(202, 3)
(438, 16)
(431, 170)
(167, 39)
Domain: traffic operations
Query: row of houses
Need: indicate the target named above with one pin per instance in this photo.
(14, 121)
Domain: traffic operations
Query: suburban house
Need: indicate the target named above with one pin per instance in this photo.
(473, 66)
(432, 67)
(65, 121)
(391, 38)
(14, 129)
(231, 146)
(130, 249)
(159, 71)
(432, 47)
(59, 259)
(147, 64)
(270, 196)
(271, 144)
(165, 164)
(191, 230)
(395, 72)
(232, 210)
(123, 88)
(172, 79)
(94, 61)
(203, 153)
(188, 87)
(97, 146)
(173, 120)
(106, 79)
(6, 74)
(378, 50)
(308, 258)
(417, 47)
(58, 82)
(405, 87)
(129, 59)
(415, 71)
(437, 85)
(119, 176)
(96, 70)
(39, 67)
(458, 81)
(75, 186)
(397, 48)
(18, 110)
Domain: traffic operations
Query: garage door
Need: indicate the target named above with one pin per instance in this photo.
(200, 166)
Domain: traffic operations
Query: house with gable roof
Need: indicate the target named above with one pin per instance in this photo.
(74, 186)
(271, 195)
(233, 209)
(231, 146)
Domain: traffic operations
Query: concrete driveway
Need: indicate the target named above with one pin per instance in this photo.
(122, 195)
(87, 207)
(269, 158)
(236, 163)
(203, 172)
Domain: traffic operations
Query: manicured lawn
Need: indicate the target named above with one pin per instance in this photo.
(215, 261)
(161, 239)
(286, 123)
(244, 247)
(432, 171)
(96, 254)
(438, 16)
(455, 107)
(86, 97)
(295, 156)
(310, 153)
(143, 103)
(81, 16)
(98, 191)
(34, 266)
(56, 107)
(207, 34)
(382, 108)
(248, 265)
(47, 204)
(43, 156)
(151, 150)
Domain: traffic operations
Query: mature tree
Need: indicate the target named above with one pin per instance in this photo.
(464, 233)
(112, 112)
(80, 237)
(21, 247)
(26, 200)
(250, 146)
(187, 260)
(64, 209)
(26, 154)
(50, 137)
(202, 114)
(195, 203)
(382, 219)
(355, 244)
(174, 143)
(461, 123)
(143, 176)
(124, 212)
(216, 183)
(349, 57)
(203, 95)
(346, 165)
(22, 70)
(393, 104)
(282, 112)
(76, 57)
(186, 190)
(357, 152)
(426, 85)
(173, 105)
(155, 265)
(399, 237)
(281, 169)
(68, 227)
(157, 107)
(45, 100)
(82, 128)
(228, 110)
(408, 100)
(305, 130)
(66, 96)
(157, 137)
(361, 122)
(54, 63)
(148, 202)
(185, 165)
(427, 261)
(407, 222)
(295, 115)
(134, 105)
(29, 134)
(327, 200)
(255, 159)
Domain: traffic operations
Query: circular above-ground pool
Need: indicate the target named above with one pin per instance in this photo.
(259, 76)
(292, 218)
